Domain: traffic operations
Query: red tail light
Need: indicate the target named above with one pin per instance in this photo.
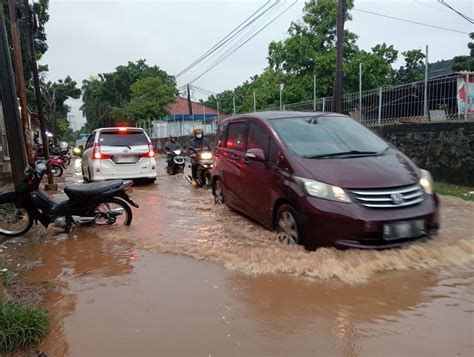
(97, 155)
(150, 153)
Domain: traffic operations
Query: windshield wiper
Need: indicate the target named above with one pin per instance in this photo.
(344, 153)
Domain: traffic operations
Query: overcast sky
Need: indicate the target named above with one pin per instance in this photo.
(90, 37)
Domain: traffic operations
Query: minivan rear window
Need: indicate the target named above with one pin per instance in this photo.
(326, 135)
(118, 138)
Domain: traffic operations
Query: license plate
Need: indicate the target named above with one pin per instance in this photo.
(130, 159)
(404, 229)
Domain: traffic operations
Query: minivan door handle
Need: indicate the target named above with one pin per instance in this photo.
(235, 156)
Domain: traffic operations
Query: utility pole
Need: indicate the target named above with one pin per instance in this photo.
(233, 102)
(20, 81)
(16, 143)
(337, 93)
(39, 100)
(254, 103)
(190, 104)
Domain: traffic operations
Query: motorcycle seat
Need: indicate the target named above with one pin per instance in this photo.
(75, 192)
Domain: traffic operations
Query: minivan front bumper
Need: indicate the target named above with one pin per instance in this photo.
(350, 225)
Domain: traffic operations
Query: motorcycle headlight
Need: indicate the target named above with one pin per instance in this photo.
(323, 190)
(77, 150)
(206, 156)
(426, 181)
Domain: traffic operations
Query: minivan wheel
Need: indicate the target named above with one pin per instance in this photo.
(218, 193)
(287, 226)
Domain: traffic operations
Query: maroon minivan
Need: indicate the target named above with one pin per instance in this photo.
(322, 179)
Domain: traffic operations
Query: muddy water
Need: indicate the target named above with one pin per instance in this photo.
(114, 292)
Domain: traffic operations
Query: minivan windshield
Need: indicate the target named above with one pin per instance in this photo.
(122, 138)
(328, 136)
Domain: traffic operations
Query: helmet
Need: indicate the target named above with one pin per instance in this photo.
(173, 138)
(197, 130)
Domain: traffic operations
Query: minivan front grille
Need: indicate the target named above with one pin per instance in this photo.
(388, 197)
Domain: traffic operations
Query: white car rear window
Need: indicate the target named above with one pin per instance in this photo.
(126, 138)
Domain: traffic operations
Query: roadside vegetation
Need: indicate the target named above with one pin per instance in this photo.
(20, 324)
(453, 190)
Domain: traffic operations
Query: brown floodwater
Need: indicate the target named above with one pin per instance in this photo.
(192, 278)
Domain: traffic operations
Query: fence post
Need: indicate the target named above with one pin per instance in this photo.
(467, 97)
(360, 92)
(380, 105)
(425, 94)
(324, 103)
(314, 93)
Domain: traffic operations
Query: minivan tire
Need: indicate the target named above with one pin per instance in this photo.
(218, 193)
(287, 225)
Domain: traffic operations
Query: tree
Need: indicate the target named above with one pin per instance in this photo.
(56, 94)
(129, 93)
(465, 63)
(414, 68)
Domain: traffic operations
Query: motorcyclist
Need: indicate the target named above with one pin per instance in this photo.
(171, 146)
(197, 143)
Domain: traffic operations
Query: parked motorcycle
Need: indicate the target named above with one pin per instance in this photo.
(101, 203)
(204, 166)
(176, 162)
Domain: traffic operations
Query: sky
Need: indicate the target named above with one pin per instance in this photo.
(87, 37)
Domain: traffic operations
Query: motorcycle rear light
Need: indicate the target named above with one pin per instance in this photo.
(100, 155)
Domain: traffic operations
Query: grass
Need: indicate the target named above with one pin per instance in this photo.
(21, 325)
(7, 278)
(453, 190)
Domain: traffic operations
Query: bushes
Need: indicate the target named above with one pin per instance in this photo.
(21, 325)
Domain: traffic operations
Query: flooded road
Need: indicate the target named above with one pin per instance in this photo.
(228, 288)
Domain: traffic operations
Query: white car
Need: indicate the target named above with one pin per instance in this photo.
(118, 153)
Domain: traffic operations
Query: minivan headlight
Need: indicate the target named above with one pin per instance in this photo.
(426, 181)
(323, 190)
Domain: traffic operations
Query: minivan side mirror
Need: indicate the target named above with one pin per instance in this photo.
(255, 155)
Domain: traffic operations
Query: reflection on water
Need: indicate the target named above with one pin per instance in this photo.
(79, 260)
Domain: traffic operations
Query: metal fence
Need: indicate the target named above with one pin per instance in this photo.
(415, 102)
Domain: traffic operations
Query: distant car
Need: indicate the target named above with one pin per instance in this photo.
(119, 153)
(322, 179)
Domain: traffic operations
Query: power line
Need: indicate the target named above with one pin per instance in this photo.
(223, 57)
(229, 36)
(410, 21)
(465, 17)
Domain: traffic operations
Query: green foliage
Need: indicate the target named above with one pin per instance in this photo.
(7, 278)
(454, 190)
(21, 325)
(465, 63)
(135, 92)
(414, 68)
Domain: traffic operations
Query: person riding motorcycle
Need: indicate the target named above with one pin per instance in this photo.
(171, 146)
(197, 143)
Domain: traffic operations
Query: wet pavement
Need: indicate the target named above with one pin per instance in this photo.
(189, 278)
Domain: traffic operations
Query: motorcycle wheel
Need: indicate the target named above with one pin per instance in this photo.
(56, 170)
(14, 221)
(67, 160)
(114, 211)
